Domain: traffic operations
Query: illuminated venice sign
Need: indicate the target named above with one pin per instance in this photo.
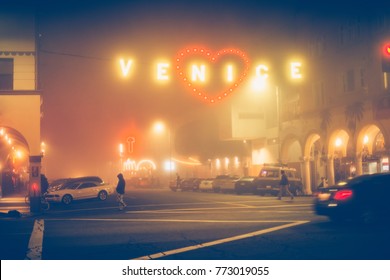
(196, 67)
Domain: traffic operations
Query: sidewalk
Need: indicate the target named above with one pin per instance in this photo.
(16, 204)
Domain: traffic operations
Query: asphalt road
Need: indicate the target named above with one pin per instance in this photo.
(166, 225)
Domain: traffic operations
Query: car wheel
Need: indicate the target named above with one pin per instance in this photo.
(67, 199)
(102, 195)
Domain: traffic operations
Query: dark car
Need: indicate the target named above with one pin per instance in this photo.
(364, 198)
(244, 185)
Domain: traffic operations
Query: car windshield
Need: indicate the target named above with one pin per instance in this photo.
(269, 173)
(58, 184)
(71, 186)
(247, 178)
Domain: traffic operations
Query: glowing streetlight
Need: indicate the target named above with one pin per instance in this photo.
(259, 83)
(121, 150)
(338, 142)
(160, 127)
(43, 148)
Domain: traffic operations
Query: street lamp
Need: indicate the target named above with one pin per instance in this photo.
(260, 84)
(121, 150)
(160, 127)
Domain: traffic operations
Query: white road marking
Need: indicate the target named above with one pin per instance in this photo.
(219, 241)
(218, 208)
(188, 210)
(239, 210)
(34, 251)
(172, 220)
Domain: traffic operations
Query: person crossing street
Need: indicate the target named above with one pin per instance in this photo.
(120, 190)
(284, 186)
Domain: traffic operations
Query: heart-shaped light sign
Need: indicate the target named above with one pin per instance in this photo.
(184, 56)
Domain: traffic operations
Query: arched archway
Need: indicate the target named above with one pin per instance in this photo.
(14, 161)
(291, 152)
(370, 147)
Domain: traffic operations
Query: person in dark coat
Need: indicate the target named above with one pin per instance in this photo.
(120, 190)
(284, 186)
(44, 184)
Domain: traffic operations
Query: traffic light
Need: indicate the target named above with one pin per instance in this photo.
(386, 58)
(34, 188)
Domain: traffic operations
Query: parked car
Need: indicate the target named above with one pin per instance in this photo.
(80, 188)
(196, 183)
(269, 177)
(364, 198)
(206, 185)
(225, 183)
(186, 184)
(189, 184)
(244, 185)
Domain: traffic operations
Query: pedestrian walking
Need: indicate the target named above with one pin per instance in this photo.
(44, 184)
(120, 190)
(284, 186)
(178, 181)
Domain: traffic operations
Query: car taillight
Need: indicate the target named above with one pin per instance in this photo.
(343, 194)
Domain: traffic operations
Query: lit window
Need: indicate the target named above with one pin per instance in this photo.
(6, 73)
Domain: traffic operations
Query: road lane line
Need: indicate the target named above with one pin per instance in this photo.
(34, 251)
(172, 220)
(218, 208)
(219, 241)
(185, 209)
(216, 212)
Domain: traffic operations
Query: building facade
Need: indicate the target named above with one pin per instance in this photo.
(20, 103)
(334, 123)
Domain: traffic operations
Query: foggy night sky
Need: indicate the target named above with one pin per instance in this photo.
(89, 109)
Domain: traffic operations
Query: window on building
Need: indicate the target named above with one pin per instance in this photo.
(386, 80)
(317, 46)
(362, 77)
(6, 74)
(319, 95)
(349, 81)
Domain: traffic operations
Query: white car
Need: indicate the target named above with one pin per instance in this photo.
(206, 185)
(225, 183)
(80, 188)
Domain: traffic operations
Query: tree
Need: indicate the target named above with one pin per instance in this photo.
(354, 114)
(326, 119)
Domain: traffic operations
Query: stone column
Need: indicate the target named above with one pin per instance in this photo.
(359, 164)
(306, 175)
(330, 169)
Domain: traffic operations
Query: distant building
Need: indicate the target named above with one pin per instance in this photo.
(336, 122)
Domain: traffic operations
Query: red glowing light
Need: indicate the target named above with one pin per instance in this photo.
(343, 194)
(213, 58)
(35, 186)
(387, 49)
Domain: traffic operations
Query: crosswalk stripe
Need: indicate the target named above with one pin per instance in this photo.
(34, 251)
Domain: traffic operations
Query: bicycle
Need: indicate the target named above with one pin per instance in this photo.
(44, 203)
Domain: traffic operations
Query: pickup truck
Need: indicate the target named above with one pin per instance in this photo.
(267, 182)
